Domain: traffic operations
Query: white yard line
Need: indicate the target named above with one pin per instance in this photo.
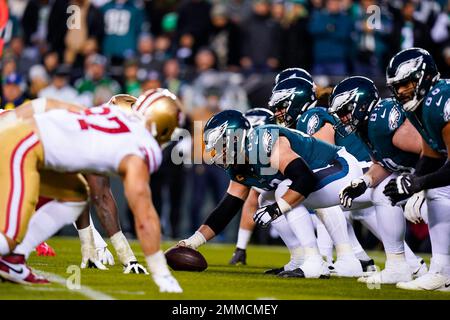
(84, 290)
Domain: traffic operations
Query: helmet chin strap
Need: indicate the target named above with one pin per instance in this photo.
(412, 105)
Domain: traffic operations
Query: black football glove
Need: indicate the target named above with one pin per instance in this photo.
(401, 188)
(356, 188)
(265, 215)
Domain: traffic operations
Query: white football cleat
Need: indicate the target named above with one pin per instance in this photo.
(391, 274)
(167, 283)
(429, 281)
(315, 267)
(347, 266)
(420, 270)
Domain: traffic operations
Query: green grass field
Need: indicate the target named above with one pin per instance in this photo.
(220, 281)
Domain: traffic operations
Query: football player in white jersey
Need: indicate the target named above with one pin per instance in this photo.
(93, 248)
(104, 140)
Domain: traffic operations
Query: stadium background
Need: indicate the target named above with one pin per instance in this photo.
(214, 55)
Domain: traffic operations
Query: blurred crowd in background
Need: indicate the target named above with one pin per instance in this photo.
(214, 55)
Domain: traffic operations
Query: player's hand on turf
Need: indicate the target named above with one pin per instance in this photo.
(401, 188)
(265, 215)
(134, 267)
(356, 188)
(105, 256)
(89, 258)
(414, 207)
(167, 283)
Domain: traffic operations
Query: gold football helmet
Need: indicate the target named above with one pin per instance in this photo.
(161, 110)
(124, 101)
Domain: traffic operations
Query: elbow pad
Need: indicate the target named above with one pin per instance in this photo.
(221, 216)
(302, 177)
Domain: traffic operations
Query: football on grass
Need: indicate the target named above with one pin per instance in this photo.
(185, 259)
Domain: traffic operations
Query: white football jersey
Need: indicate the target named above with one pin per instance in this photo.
(95, 140)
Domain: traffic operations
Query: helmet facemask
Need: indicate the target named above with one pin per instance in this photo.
(225, 146)
(407, 91)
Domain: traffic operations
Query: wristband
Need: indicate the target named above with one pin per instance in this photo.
(368, 180)
(283, 205)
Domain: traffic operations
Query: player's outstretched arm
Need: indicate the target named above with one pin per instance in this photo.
(136, 180)
(220, 217)
(106, 209)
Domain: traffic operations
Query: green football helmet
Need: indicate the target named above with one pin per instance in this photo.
(225, 136)
(290, 99)
(290, 73)
(352, 101)
(415, 69)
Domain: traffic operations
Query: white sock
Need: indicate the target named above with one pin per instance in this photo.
(334, 220)
(157, 264)
(439, 226)
(324, 241)
(391, 226)
(370, 222)
(411, 258)
(281, 225)
(46, 221)
(122, 247)
(356, 246)
(395, 258)
(440, 263)
(300, 223)
(4, 247)
(98, 240)
(243, 239)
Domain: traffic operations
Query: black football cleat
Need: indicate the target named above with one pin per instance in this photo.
(274, 271)
(239, 257)
(296, 273)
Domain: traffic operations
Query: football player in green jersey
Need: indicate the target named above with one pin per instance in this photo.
(415, 81)
(382, 126)
(312, 172)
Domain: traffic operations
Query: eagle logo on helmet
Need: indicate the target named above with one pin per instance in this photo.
(280, 95)
(394, 117)
(406, 68)
(214, 135)
(313, 123)
(344, 98)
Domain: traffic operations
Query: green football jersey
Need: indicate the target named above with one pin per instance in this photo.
(314, 119)
(258, 173)
(385, 119)
(434, 113)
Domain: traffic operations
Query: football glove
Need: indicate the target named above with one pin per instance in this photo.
(134, 267)
(89, 258)
(414, 207)
(105, 256)
(356, 188)
(265, 215)
(401, 188)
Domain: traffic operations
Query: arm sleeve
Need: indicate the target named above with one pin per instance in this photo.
(221, 216)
